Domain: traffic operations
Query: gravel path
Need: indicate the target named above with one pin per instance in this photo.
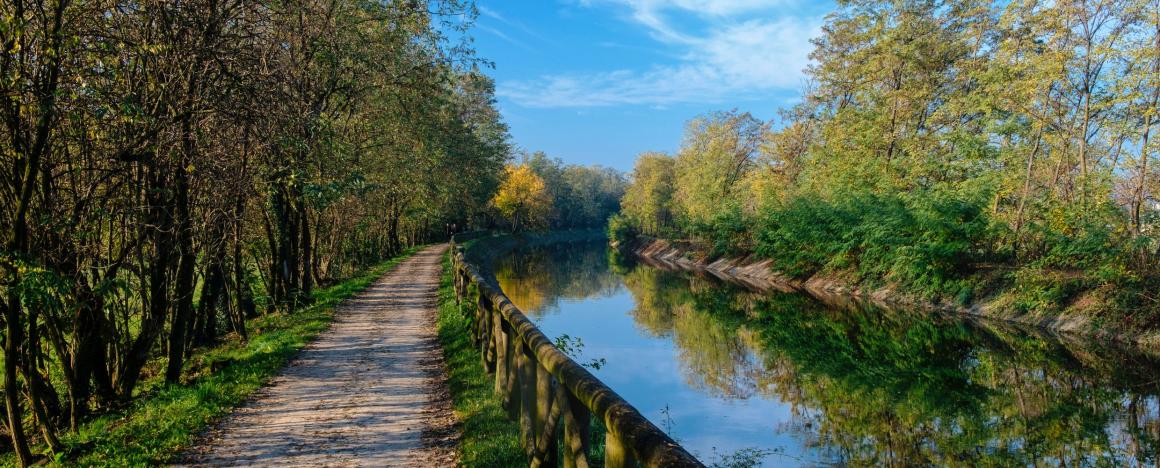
(368, 392)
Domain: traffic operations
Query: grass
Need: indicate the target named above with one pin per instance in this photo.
(489, 437)
(163, 422)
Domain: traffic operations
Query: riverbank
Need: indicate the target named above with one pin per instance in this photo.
(732, 370)
(996, 303)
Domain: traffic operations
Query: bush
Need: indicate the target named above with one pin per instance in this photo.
(727, 232)
(926, 241)
(621, 229)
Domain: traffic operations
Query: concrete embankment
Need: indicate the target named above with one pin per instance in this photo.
(760, 274)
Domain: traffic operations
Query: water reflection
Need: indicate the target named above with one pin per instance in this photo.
(839, 384)
(538, 279)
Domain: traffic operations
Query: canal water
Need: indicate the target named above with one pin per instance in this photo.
(743, 378)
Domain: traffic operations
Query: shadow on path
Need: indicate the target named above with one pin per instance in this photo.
(365, 393)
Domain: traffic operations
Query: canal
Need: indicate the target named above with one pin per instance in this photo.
(784, 379)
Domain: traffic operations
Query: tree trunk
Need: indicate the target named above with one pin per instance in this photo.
(36, 386)
(86, 356)
(212, 290)
(307, 254)
(183, 289)
(159, 217)
(12, 341)
(1138, 204)
(1026, 187)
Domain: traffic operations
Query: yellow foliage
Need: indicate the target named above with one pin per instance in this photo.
(523, 198)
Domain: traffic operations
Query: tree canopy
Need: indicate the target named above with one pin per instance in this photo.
(523, 198)
(542, 192)
(938, 141)
(171, 169)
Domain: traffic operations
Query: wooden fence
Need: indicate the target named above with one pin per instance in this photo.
(550, 395)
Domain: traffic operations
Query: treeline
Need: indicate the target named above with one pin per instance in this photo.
(947, 147)
(171, 169)
(544, 193)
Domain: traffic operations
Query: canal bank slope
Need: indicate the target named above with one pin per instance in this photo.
(759, 273)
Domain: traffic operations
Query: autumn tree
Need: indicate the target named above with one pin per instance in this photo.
(522, 198)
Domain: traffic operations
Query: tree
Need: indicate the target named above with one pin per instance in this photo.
(595, 193)
(718, 151)
(251, 149)
(938, 135)
(648, 201)
(523, 199)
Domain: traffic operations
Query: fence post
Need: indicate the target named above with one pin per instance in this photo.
(527, 385)
(483, 305)
(577, 430)
(615, 453)
(486, 341)
(457, 280)
(499, 344)
(547, 416)
(512, 379)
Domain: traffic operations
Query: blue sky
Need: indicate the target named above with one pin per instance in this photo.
(599, 81)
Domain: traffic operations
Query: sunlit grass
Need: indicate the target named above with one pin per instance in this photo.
(489, 437)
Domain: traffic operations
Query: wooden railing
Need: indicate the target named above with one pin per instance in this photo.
(550, 395)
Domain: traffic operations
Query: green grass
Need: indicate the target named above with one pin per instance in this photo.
(489, 437)
(166, 420)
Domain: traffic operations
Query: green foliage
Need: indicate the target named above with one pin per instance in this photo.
(748, 457)
(620, 229)
(581, 196)
(573, 347)
(648, 201)
(942, 147)
(166, 419)
(727, 231)
(718, 152)
(159, 152)
(927, 242)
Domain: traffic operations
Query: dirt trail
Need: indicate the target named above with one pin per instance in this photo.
(368, 392)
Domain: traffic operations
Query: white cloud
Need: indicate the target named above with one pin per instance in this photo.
(504, 36)
(494, 15)
(704, 7)
(760, 54)
(659, 86)
(735, 55)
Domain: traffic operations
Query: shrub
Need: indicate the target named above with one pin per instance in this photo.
(621, 229)
(926, 242)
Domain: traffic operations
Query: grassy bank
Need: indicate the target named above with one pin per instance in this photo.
(165, 420)
(489, 437)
